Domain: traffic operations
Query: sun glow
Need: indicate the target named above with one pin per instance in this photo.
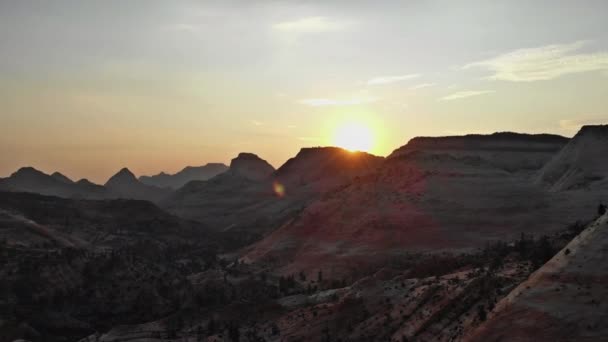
(354, 136)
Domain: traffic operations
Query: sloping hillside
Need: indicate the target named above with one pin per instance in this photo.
(325, 167)
(71, 267)
(252, 200)
(565, 300)
(31, 219)
(581, 164)
(422, 200)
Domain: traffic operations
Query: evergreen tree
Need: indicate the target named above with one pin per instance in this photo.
(601, 209)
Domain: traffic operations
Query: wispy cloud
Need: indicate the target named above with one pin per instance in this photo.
(308, 138)
(391, 79)
(543, 63)
(337, 102)
(256, 123)
(422, 85)
(311, 25)
(464, 94)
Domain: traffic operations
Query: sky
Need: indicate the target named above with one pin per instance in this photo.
(89, 87)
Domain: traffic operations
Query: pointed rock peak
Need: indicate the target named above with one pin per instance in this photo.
(61, 177)
(125, 172)
(123, 176)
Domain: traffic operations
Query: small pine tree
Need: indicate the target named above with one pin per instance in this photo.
(211, 327)
(481, 313)
(601, 209)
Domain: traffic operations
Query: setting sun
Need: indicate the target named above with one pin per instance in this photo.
(354, 137)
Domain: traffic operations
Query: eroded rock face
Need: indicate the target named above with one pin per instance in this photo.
(508, 151)
(250, 166)
(581, 164)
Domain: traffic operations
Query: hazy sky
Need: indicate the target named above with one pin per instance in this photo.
(88, 87)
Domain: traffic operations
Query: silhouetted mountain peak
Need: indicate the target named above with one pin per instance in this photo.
(85, 181)
(62, 178)
(251, 166)
(122, 177)
(326, 163)
(28, 171)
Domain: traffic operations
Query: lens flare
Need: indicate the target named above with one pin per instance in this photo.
(278, 188)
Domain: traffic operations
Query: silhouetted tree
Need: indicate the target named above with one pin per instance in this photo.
(233, 332)
(211, 327)
(199, 333)
(601, 209)
(543, 251)
(481, 313)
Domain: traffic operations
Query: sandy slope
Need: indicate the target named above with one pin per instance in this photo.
(565, 300)
(417, 202)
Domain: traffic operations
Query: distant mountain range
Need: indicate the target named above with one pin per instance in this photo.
(121, 185)
(446, 239)
(253, 198)
(189, 173)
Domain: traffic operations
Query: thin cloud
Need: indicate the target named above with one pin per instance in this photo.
(256, 123)
(308, 138)
(423, 85)
(311, 25)
(465, 94)
(391, 79)
(337, 102)
(543, 63)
